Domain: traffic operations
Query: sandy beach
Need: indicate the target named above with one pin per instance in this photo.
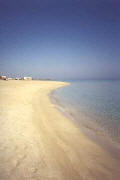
(37, 142)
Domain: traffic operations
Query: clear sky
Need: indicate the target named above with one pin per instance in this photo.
(63, 39)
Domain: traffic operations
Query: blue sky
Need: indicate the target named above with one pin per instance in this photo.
(66, 39)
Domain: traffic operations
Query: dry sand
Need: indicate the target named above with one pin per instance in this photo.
(38, 143)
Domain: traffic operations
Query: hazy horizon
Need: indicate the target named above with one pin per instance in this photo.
(67, 39)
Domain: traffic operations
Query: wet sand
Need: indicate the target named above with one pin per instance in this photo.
(37, 142)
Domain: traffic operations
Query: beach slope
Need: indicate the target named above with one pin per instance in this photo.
(38, 143)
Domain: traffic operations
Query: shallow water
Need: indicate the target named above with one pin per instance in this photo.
(94, 104)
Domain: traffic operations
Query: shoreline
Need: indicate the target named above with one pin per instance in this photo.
(93, 133)
(39, 142)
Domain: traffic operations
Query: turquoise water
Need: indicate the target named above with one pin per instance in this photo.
(95, 104)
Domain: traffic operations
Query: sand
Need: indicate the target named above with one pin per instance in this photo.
(37, 142)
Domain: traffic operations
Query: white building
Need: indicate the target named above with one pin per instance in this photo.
(17, 78)
(27, 78)
(9, 78)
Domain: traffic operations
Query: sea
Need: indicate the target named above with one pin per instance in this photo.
(93, 104)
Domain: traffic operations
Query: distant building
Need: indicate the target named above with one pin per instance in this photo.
(17, 78)
(27, 78)
(3, 77)
(10, 78)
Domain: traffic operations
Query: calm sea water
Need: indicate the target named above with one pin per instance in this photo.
(94, 104)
